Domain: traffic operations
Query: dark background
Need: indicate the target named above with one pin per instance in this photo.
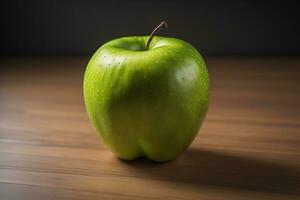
(79, 27)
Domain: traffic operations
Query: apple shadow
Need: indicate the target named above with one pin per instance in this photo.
(202, 167)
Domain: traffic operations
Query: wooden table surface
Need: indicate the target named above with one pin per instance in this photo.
(248, 147)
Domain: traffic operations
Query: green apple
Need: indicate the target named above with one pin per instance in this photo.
(146, 96)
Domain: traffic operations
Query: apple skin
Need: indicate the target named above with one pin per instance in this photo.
(146, 103)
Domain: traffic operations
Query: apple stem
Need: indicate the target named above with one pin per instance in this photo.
(162, 25)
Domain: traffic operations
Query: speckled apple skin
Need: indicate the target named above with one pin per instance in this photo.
(147, 103)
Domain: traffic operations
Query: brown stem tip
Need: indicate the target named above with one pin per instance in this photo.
(162, 25)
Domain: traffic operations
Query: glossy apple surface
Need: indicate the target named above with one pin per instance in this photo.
(146, 102)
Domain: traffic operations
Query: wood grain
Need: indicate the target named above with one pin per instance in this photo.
(248, 147)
